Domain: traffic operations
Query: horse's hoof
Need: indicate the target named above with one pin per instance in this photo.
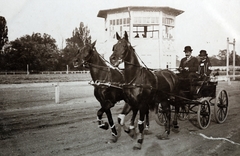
(138, 146)
(112, 140)
(175, 130)
(132, 133)
(163, 136)
(104, 126)
(118, 128)
(146, 131)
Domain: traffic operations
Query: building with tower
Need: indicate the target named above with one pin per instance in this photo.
(151, 31)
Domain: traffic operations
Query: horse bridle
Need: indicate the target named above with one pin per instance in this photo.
(126, 51)
(98, 83)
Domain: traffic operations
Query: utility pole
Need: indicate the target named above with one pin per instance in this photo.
(227, 61)
(234, 56)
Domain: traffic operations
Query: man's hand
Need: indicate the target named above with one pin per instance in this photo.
(186, 68)
(180, 69)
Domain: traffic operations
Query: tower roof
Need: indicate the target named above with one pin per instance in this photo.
(167, 10)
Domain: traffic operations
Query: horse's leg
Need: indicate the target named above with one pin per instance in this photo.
(132, 131)
(126, 109)
(147, 122)
(175, 122)
(143, 112)
(104, 125)
(167, 113)
(115, 135)
(101, 124)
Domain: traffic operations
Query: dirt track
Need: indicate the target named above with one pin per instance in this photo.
(32, 124)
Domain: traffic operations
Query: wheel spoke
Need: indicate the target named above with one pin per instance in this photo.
(221, 106)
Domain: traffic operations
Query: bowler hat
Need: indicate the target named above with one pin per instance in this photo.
(203, 53)
(187, 48)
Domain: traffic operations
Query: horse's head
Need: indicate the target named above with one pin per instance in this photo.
(84, 54)
(120, 50)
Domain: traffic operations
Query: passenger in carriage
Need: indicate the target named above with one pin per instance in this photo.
(204, 64)
(189, 65)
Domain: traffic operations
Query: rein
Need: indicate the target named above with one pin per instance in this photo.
(104, 83)
(131, 84)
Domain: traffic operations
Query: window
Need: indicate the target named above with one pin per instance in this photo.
(141, 31)
(167, 32)
(146, 27)
(118, 25)
(168, 21)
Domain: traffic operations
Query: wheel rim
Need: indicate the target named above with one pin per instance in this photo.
(204, 114)
(159, 116)
(221, 107)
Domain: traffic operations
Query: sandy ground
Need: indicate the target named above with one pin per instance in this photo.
(31, 123)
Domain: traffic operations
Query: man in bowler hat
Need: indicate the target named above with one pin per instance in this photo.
(204, 64)
(189, 65)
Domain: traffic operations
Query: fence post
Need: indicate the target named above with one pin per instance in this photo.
(67, 69)
(234, 59)
(27, 69)
(57, 92)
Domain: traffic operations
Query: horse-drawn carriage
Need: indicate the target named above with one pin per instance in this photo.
(197, 96)
(142, 88)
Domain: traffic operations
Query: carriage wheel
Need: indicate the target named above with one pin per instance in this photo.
(160, 118)
(183, 112)
(204, 114)
(221, 106)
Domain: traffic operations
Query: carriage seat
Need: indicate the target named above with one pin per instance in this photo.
(203, 87)
(192, 85)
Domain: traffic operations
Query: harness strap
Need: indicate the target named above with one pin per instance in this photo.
(105, 84)
(169, 82)
(156, 78)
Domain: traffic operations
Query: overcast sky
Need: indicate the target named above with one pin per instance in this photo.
(205, 24)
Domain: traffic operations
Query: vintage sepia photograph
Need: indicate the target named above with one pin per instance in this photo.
(119, 78)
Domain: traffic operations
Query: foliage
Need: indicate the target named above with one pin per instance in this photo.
(220, 59)
(222, 54)
(80, 36)
(3, 32)
(38, 51)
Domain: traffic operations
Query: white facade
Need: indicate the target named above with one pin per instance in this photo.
(150, 30)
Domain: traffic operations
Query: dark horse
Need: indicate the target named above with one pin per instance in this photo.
(144, 88)
(107, 90)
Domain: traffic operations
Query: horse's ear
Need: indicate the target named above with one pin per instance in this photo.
(126, 35)
(94, 43)
(118, 37)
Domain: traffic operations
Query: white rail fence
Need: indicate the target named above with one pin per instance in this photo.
(43, 72)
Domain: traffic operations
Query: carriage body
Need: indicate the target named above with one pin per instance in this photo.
(198, 88)
(197, 96)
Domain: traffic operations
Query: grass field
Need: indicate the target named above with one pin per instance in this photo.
(41, 78)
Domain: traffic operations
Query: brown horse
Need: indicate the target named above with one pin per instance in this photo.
(143, 87)
(107, 90)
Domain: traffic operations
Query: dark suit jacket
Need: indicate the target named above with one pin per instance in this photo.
(192, 64)
(204, 67)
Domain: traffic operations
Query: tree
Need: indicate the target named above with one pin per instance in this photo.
(80, 36)
(36, 50)
(237, 59)
(222, 54)
(3, 32)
